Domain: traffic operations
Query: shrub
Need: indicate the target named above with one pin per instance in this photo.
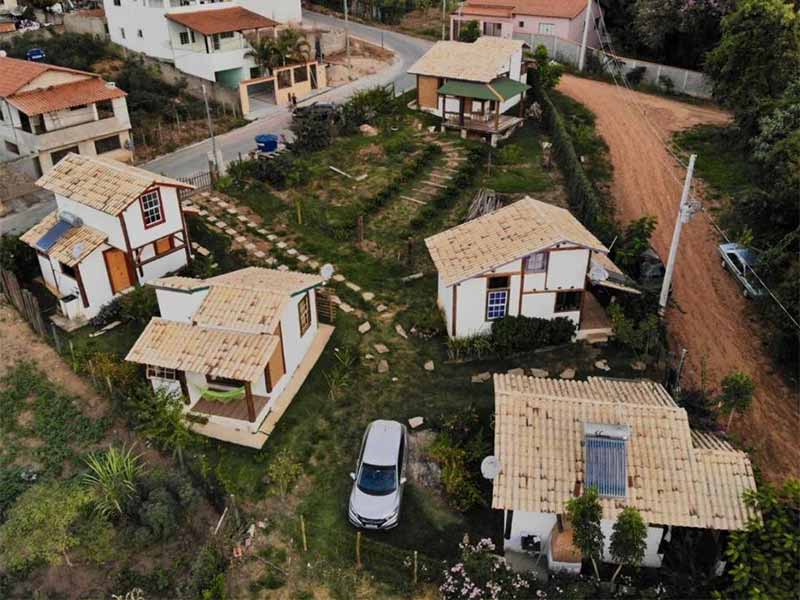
(110, 311)
(13, 482)
(162, 503)
(283, 471)
(666, 84)
(523, 334)
(112, 479)
(469, 32)
(474, 346)
(209, 563)
(510, 154)
(635, 75)
(481, 573)
(139, 305)
(639, 333)
(399, 145)
(19, 258)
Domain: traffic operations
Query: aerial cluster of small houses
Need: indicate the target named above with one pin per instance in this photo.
(238, 346)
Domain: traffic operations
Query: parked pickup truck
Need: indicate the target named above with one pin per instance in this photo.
(740, 261)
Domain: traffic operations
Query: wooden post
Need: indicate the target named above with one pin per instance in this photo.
(360, 229)
(303, 533)
(415, 567)
(56, 339)
(358, 549)
(410, 251)
(72, 351)
(251, 409)
(108, 383)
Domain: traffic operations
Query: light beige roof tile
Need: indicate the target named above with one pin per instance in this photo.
(102, 184)
(271, 280)
(176, 282)
(214, 352)
(240, 309)
(504, 235)
(482, 60)
(72, 247)
(676, 476)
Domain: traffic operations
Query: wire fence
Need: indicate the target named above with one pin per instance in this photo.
(684, 81)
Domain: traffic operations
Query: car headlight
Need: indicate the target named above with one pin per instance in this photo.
(392, 516)
(353, 516)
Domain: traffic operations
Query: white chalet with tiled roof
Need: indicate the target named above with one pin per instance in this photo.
(115, 227)
(628, 439)
(528, 259)
(237, 347)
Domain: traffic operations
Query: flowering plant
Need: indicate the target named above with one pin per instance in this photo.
(483, 575)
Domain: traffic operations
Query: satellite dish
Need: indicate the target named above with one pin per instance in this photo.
(490, 467)
(326, 271)
(598, 273)
(77, 249)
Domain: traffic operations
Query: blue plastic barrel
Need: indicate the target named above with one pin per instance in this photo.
(267, 142)
(35, 54)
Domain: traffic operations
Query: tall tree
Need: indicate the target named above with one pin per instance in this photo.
(628, 539)
(737, 394)
(758, 56)
(764, 554)
(585, 513)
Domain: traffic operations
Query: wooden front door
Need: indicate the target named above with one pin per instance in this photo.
(117, 267)
(276, 367)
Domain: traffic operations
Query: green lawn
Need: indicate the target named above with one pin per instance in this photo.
(523, 173)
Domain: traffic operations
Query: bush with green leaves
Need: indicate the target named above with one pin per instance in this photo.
(39, 527)
(635, 75)
(14, 480)
(585, 514)
(628, 539)
(204, 573)
(737, 394)
(510, 154)
(139, 305)
(639, 333)
(19, 258)
(469, 31)
(283, 471)
(546, 72)
(161, 505)
(512, 334)
(112, 479)
(159, 416)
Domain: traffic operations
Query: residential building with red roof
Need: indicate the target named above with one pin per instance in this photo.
(47, 111)
(522, 18)
(206, 39)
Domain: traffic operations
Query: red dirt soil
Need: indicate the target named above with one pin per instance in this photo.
(709, 315)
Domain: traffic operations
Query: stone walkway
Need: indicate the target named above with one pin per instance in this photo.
(438, 178)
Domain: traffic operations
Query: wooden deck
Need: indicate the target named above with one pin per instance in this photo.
(236, 409)
(505, 123)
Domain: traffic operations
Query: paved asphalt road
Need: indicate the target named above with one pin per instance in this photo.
(407, 49)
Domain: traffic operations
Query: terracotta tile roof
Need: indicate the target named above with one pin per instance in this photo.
(209, 22)
(72, 247)
(238, 309)
(675, 476)
(482, 60)
(563, 9)
(92, 12)
(175, 282)
(15, 73)
(102, 184)
(214, 352)
(270, 280)
(64, 96)
(507, 234)
(484, 10)
(7, 27)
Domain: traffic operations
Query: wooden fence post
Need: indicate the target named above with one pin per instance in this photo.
(56, 339)
(358, 549)
(360, 229)
(415, 567)
(303, 533)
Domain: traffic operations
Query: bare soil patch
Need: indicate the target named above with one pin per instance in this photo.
(709, 315)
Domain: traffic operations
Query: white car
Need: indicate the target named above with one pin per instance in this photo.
(380, 476)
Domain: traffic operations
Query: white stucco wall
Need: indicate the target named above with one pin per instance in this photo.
(176, 305)
(566, 269)
(95, 282)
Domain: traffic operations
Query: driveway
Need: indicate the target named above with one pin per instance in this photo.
(708, 314)
(192, 159)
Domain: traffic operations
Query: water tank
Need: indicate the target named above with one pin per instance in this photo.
(267, 142)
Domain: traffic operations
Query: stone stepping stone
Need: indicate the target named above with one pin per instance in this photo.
(262, 231)
(516, 372)
(292, 252)
(441, 175)
(353, 286)
(428, 366)
(243, 219)
(271, 237)
(410, 199)
(415, 422)
(250, 247)
(259, 254)
(271, 261)
(281, 245)
(568, 373)
(369, 356)
(205, 194)
(283, 268)
(240, 239)
(434, 184)
(540, 373)
(313, 264)
(481, 377)
(368, 296)
(302, 258)
(602, 365)
(380, 348)
(230, 231)
(364, 327)
(252, 225)
(400, 331)
(202, 213)
(338, 277)
(346, 307)
(231, 211)
(383, 366)
(381, 308)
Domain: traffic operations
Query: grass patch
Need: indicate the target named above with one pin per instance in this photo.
(721, 161)
(517, 164)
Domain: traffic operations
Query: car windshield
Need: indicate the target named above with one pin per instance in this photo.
(377, 481)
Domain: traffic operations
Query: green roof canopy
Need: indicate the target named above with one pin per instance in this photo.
(503, 87)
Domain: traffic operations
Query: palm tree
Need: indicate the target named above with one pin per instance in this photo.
(112, 477)
(288, 47)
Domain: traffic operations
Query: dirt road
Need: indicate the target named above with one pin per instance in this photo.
(710, 317)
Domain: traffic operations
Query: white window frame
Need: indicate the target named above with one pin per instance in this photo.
(537, 262)
(547, 28)
(156, 372)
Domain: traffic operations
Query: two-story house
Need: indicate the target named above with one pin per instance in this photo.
(115, 227)
(563, 19)
(472, 85)
(236, 347)
(47, 111)
(528, 259)
(204, 38)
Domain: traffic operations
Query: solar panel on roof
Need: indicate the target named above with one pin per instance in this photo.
(55, 233)
(606, 465)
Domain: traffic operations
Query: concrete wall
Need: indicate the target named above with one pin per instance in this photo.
(77, 22)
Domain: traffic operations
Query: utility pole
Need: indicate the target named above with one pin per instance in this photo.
(582, 57)
(444, 19)
(211, 130)
(347, 41)
(686, 209)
